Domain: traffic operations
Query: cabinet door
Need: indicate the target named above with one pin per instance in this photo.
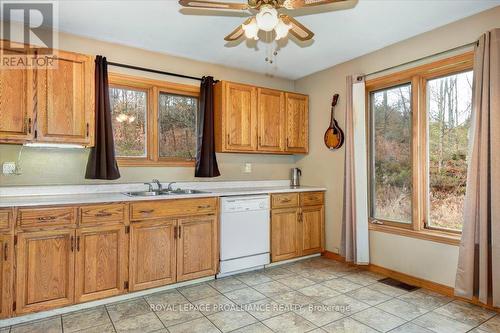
(45, 270)
(152, 254)
(100, 262)
(297, 123)
(65, 100)
(197, 247)
(284, 234)
(271, 118)
(311, 224)
(16, 103)
(6, 270)
(240, 118)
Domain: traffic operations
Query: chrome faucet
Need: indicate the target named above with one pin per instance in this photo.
(150, 186)
(169, 188)
(160, 188)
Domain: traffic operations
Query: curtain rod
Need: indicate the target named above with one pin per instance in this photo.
(424, 58)
(144, 69)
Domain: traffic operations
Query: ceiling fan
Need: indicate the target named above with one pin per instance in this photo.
(268, 17)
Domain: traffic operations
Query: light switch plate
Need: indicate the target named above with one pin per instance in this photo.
(9, 168)
(248, 168)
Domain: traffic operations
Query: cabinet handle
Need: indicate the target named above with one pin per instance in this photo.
(72, 243)
(46, 218)
(29, 125)
(175, 232)
(88, 130)
(204, 206)
(179, 231)
(148, 211)
(78, 243)
(287, 142)
(286, 200)
(103, 214)
(5, 251)
(228, 140)
(260, 141)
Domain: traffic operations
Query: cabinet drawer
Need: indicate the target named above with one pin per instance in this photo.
(39, 217)
(5, 216)
(167, 208)
(285, 200)
(312, 198)
(102, 213)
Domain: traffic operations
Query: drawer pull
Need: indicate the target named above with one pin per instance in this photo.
(5, 252)
(285, 200)
(78, 243)
(46, 218)
(204, 206)
(148, 211)
(103, 214)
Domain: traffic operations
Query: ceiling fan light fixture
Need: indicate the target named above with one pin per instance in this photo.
(267, 18)
(282, 29)
(251, 30)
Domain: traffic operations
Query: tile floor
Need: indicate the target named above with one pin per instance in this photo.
(314, 295)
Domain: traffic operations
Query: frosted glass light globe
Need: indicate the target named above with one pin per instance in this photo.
(267, 18)
(251, 30)
(282, 29)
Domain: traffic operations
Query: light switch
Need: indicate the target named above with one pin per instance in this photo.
(248, 168)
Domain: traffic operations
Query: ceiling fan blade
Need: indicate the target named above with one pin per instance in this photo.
(295, 4)
(238, 32)
(213, 4)
(298, 30)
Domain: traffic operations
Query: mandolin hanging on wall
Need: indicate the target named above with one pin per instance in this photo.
(334, 136)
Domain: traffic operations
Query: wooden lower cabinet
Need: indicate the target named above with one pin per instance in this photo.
(297, 230)
(101, 269)
(45, 270)
(6, 270)
(152, 254)
(284, 234)
(197, 247)
(311, 224)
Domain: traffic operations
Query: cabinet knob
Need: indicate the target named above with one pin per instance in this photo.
(88, 130)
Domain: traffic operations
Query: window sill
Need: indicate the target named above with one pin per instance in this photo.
(148, 163)
(430, 235)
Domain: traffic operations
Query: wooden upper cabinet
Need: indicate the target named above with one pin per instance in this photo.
(297, 123)
(45, 270)
(311, 223)
(101, 262)
(240, 117)
(66, 100)
(16, 103)
(284, 234)
(251, 119)
(152, 254)
(197, 247)
(271, 116)
(6, 273)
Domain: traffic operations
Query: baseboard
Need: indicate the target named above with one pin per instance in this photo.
(412, 280)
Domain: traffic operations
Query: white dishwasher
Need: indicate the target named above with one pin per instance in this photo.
(244, 233)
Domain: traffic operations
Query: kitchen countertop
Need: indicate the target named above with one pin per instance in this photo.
(90, 198)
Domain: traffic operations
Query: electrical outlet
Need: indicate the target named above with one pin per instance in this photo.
(9, 168)
(248, 168)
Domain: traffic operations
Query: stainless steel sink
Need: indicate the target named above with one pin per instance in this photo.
(143, 194)
(157, 193)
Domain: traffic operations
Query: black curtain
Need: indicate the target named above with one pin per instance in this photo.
(206, 161)
(102, 162)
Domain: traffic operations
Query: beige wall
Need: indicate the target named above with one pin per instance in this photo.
(56, 166)
(435, 262)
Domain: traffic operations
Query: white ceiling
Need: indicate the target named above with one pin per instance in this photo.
(351, 30)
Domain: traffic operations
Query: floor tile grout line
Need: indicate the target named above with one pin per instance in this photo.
(111, 320)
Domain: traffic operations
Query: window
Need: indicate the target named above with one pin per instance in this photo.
(154, 122)
(419, 121)
(391, 153)
(449, 100)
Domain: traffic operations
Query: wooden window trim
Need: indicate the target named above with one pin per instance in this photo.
(153, 88)
(417, 77)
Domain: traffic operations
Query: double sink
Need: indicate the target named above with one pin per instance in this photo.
(161, 192)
